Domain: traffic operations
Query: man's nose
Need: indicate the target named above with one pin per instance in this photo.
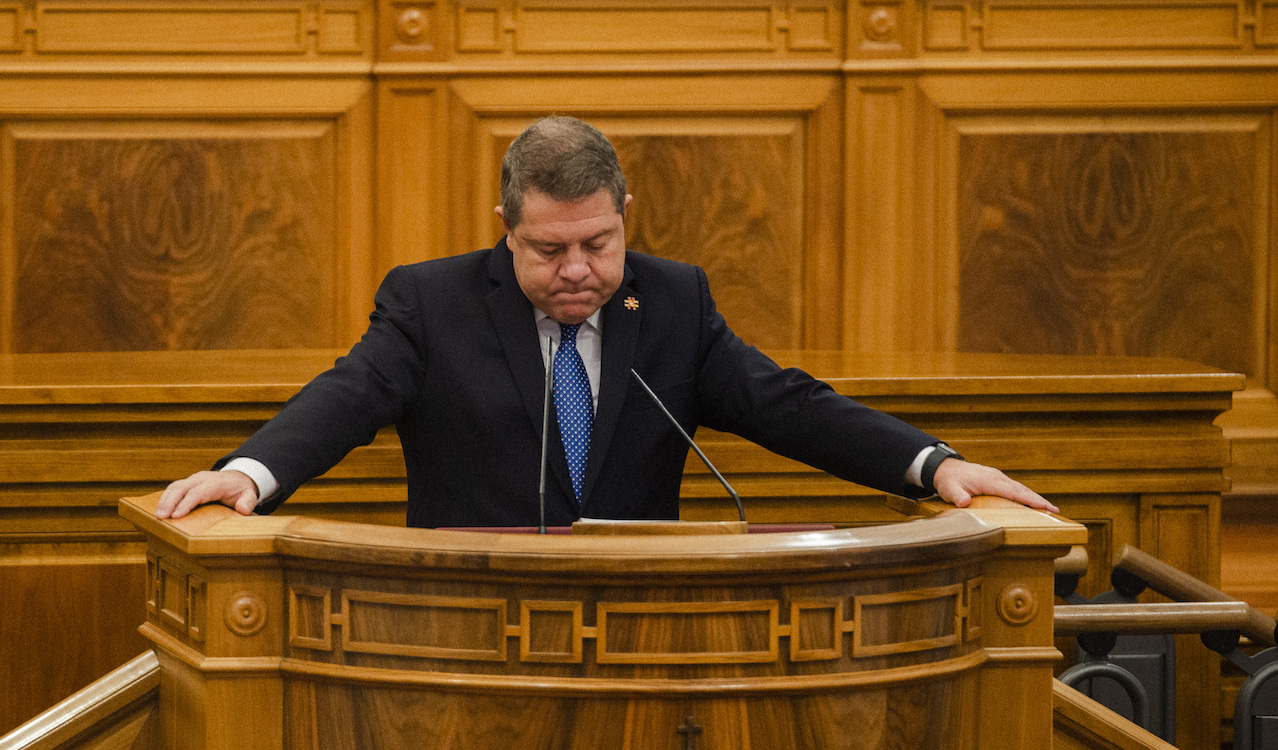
(576, 264)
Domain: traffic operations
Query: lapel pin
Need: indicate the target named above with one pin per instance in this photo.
(632, 303)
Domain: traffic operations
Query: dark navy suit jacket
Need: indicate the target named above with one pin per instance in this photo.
(451, 358)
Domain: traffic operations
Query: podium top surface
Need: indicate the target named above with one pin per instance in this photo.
(215, 531)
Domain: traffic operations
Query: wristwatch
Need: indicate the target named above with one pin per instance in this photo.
(928, 472)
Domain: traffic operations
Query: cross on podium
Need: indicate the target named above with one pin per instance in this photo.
(689, 729)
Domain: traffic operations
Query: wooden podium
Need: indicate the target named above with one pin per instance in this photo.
(295, 632)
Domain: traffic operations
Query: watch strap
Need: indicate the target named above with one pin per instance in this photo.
(927, 474)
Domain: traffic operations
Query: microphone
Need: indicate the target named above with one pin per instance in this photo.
(545, 432)
(652, 395)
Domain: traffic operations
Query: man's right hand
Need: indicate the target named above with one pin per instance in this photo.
(231, 488)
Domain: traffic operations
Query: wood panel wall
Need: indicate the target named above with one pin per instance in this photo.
(1055, 176)
(976, 175)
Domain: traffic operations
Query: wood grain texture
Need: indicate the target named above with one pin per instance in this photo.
(732, 204)
(161, 244)
(67, 625)
(1109, 243)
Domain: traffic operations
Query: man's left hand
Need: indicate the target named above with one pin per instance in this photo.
(957, 481)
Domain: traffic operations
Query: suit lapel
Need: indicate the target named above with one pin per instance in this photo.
(621, 318)
(512, 316)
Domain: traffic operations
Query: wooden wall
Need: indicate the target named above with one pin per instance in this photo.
(1053, 176)
(1049, 177)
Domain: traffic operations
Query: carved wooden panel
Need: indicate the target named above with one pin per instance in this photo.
(816, 629)
(475, 629)
(1126, 243)
(338, 28)
(309, 622)
(10, 28)
(666, 632)
(733, 205)
(1183, 531)
(551, 631)
(1126, 25)
(1266, 24)
(203, 240)
(885, 28)
(154, 29)
(727, 195)
(512, 28)
(902, 622)
(1065, 25)
(470, 628)
(177, 598)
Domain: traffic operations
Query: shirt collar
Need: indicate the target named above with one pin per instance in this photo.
(595, 320)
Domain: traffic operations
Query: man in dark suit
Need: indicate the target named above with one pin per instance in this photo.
(457, 352)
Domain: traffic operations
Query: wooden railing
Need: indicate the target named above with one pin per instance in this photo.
(1199, 609)
(1182, 587)
(117, 711)
(1161, 618)
(1080, 723)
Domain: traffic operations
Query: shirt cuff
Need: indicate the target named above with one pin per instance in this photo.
(264, 479)
(913, 475)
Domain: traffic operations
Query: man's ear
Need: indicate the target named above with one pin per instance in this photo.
(625, 206)
(501, 215)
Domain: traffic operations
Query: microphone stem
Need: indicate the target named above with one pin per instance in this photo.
(691, 442)
(545, 432)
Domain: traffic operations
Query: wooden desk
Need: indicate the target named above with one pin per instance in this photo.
(1125, 445)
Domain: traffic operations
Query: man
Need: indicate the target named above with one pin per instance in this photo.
(456, 355)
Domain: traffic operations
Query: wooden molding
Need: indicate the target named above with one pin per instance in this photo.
(309, 619)
(433, 627)
(910, 606)
(72, 29)
(592, 687)
(811, 621)
(1173, 24)
(475, 629)
(535, 637)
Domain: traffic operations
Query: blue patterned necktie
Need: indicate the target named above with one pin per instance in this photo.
(573, 405)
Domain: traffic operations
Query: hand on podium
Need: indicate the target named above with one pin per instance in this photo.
(957, 481)
(231, 488)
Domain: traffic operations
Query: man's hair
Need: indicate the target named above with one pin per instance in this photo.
(564, 158)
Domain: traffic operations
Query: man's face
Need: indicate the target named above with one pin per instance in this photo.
(569, 255)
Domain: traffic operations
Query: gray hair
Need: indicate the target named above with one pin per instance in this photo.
(564, 158)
